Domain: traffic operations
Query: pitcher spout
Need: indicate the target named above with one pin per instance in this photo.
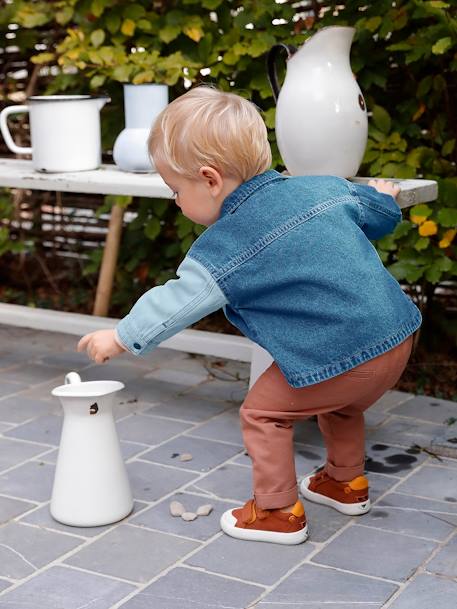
(328, 44)
(101, 101)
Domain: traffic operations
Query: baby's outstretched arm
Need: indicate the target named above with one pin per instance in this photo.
(386, 187)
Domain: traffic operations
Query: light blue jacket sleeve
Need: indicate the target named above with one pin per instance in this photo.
(380, 213)
(167, 309)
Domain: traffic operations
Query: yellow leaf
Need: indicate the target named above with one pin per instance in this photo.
(447, 239)
(194, 33)
(417, 219)
(428, 228)
(419, 112)
(72, 54)
(128, 27)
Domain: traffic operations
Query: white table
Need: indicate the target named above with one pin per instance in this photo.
(109, 180)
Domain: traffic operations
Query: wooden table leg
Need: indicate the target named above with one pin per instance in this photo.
(109, 260)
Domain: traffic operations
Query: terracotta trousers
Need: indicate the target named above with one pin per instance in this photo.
(272, 405)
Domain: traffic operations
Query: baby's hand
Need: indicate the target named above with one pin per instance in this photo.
(388, 188)
(100, 345)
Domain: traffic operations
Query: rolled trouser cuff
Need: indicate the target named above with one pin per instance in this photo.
(344, 474)
(274, 501)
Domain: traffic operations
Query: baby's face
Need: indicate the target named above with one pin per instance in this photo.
(197, 198)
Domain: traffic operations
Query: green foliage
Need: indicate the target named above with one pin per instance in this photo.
(404, 56)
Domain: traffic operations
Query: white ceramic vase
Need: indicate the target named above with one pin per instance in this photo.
(321, 119)
(142, 104)
(91, 487)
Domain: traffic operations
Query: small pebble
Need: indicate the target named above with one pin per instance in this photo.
(186, 457)
(188, 516)
(176, 508)
(205, 510)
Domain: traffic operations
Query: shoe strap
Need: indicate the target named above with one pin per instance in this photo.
(251, 512)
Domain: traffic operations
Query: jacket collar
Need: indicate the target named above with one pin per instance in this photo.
(246, 189)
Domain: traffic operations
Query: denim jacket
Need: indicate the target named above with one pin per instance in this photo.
(291, 262)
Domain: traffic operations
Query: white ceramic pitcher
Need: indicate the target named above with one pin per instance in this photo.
(64, 131)
(321, 119)
(142, 104)
(91, 487)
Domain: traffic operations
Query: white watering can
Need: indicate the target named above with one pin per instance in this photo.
(91, 487)
(64, 131)
(321, 119)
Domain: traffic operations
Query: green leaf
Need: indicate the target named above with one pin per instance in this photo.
(169, 32)
(64, 15)
(152, 228)
(402, 229)
(447, 217)
(113, 22)
(97, 37)
(442, 45)
(211, 4)
(381, 119)
(134, 11)
(424, 86)
(420, 210)
(406, 270)
(122, 73)
(448, 147)
(97, 81)
(373, 23)
(422, 243)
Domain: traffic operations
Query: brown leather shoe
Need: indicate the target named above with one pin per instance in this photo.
(252, 523)
(350, 498)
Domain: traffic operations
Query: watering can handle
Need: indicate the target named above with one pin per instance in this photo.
(271, 65)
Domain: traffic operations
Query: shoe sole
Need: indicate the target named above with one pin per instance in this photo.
(228, 522)
(349, 509)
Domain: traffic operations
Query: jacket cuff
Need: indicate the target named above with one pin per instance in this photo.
(129, 338)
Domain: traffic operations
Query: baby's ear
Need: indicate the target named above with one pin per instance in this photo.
(211, 177)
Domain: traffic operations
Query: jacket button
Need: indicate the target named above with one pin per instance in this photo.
(136, 346)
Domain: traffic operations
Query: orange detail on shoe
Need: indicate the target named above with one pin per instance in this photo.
(358, 483)
(250, 516)
(344, 492)
(298, 509)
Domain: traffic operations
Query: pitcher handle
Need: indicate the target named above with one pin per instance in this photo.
(72, 378)
(271, 65)
(6, 132)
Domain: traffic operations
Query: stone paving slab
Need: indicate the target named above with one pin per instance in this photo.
(182, 588)
(445, 561)
(42, 518)
(25, 549)
(132, 553)
(21, 409)
(187, 408)
(206, 454)
(428, 409)
(374, 552)
(399, 556)
(45, 430)
(223, 556)
(427, 591)
(158, 517)
(32, 481)
(65, 588)
(14, 452)
(315, 587)
(432, 482)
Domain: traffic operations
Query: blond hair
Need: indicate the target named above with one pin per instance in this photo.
(206, 126)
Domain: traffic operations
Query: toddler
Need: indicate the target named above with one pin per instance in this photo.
(289, 259)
